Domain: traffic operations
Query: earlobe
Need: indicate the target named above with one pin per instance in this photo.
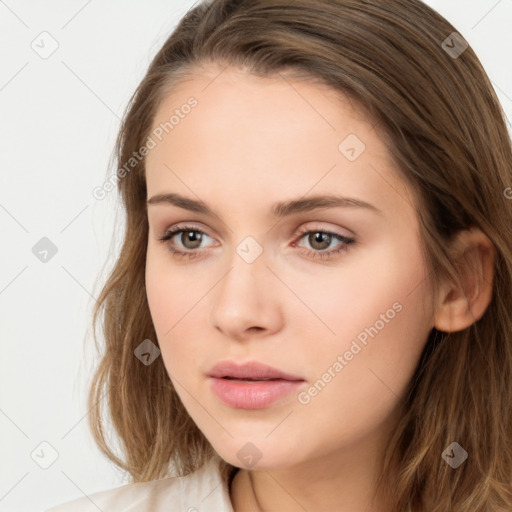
(462, 304)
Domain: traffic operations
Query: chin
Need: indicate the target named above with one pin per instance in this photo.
(257, 454)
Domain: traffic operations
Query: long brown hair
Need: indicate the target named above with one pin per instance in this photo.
(446, 131)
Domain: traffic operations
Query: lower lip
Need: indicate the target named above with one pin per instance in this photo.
(252, 394)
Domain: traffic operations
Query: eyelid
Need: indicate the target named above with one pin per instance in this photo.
(321, 226)
(187, 227)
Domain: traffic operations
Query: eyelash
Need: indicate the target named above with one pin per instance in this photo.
(325, 255)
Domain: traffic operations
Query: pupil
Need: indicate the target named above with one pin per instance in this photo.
(193, 236)
(318, 236)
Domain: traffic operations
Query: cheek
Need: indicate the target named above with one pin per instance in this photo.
(159, 284)
(175, 303)
(348, 398)
(171, 292)
(380, 314)
(382, 287)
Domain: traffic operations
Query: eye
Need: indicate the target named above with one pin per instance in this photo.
(188, 236)
(319, 239)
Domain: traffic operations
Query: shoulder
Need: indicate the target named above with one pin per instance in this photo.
(201, 491)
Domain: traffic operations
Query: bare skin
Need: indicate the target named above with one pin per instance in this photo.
(251, 142)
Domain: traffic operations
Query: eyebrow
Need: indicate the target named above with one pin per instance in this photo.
(279, 210)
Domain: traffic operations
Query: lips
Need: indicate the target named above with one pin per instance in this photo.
(250, 371)
(252, 385)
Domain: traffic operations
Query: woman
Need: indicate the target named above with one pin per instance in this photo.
(311, 308)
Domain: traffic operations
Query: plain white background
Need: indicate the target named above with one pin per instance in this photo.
(60, 117)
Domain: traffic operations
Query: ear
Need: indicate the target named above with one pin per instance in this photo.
(462, 304)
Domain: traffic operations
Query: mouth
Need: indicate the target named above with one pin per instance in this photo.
(253, 394)
(252, 385)
(248, 379)
(250, 371)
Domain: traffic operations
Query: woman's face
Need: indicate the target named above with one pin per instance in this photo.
(259, 283)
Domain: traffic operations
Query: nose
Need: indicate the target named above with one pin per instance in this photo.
(245, 302)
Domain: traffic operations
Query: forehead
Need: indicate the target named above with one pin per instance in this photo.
(254, 100)
(258, 133)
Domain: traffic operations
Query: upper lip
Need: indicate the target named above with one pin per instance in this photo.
(250, 370)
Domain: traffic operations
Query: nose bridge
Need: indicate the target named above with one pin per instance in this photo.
(245, 298)
(247, 268)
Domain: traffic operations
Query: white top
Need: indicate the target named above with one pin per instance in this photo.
(201, 491)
